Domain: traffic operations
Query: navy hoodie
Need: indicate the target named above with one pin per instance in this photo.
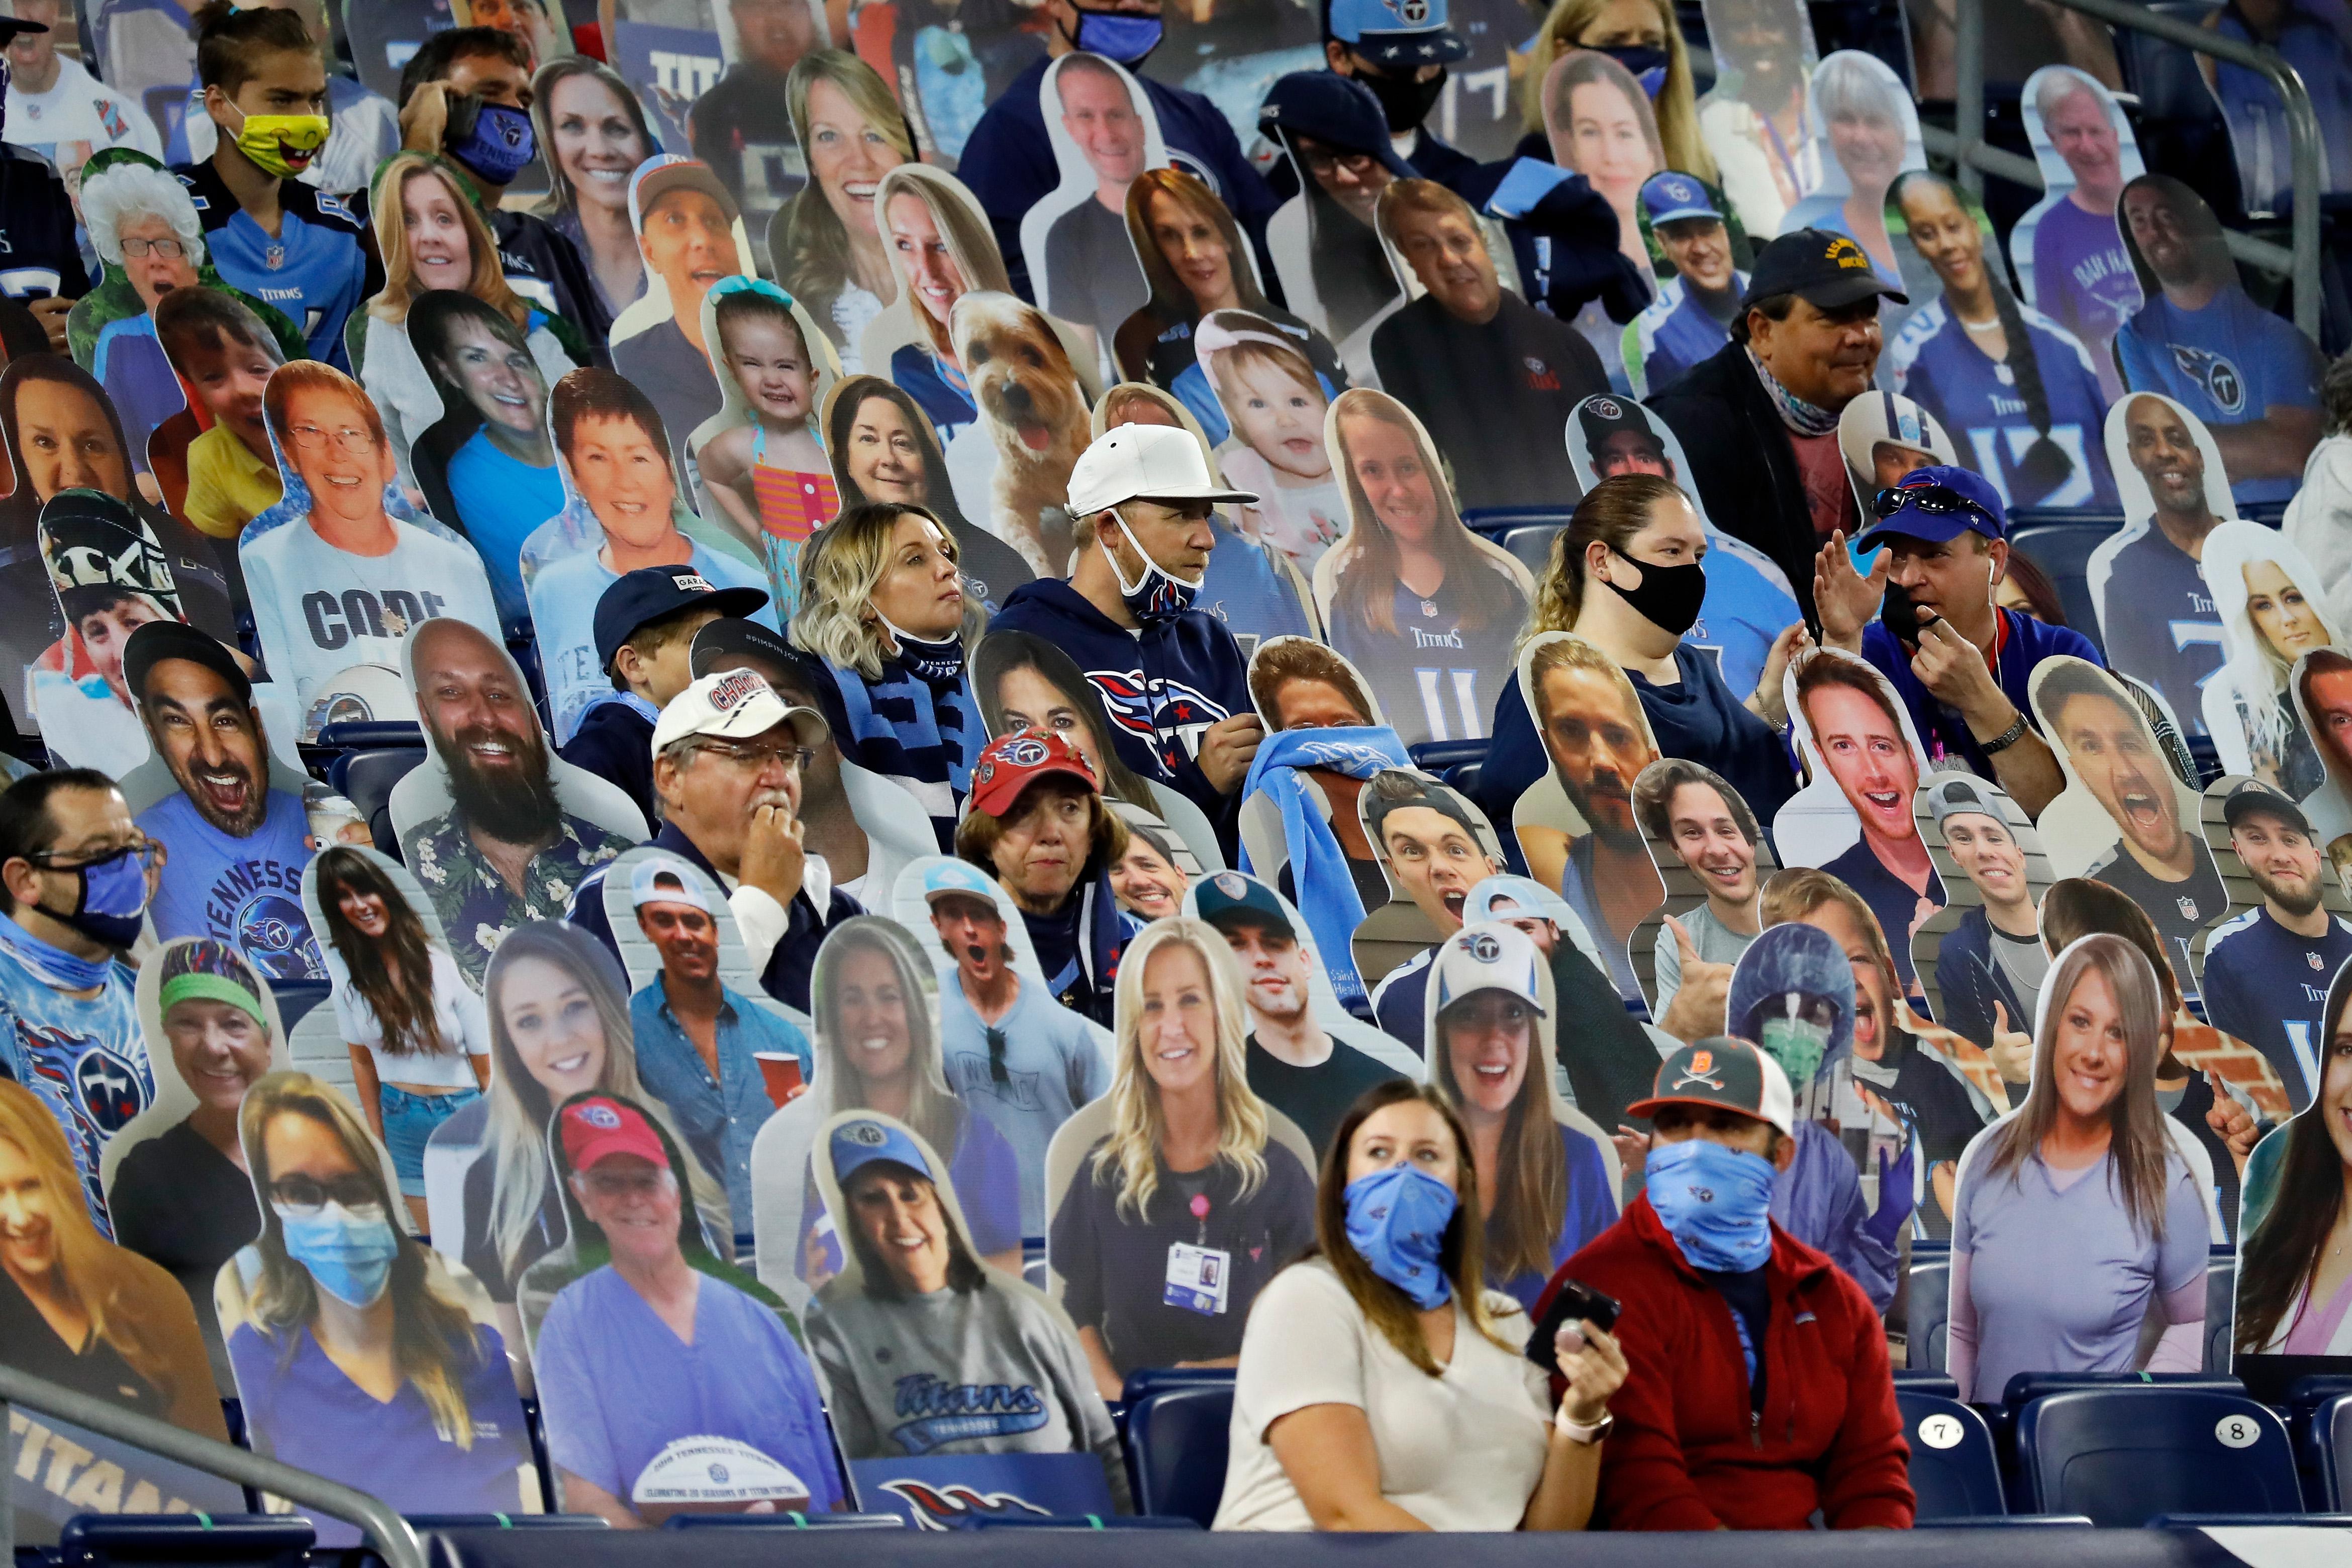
(1161, 687)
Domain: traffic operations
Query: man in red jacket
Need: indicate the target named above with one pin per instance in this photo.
(1758, 1390)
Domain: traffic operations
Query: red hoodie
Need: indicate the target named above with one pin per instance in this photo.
(1685, 1452)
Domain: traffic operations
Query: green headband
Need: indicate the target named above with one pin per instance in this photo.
(212, 988)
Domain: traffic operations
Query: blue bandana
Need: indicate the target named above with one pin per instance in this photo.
(1326, 892)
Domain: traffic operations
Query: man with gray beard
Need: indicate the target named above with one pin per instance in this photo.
(505, 851)
(237, 846)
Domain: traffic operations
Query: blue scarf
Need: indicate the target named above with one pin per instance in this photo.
(52, 965)
(925, 732)
(1326, 892)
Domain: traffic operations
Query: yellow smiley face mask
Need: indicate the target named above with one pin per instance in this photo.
(282, 144)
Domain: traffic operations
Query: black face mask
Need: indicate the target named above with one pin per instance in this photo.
(1669, 597)
(1403, 101)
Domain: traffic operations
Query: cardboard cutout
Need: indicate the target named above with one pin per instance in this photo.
(342, 569)
(825, 246)
(1758, 121)
(2318, 42)
(1601, 125)
(2068, 251)
(691, 234)
(1576, 824)
(174, 1186)
(2143, 1285)
(2029, 419)
(1884, 437)
(741, 120)
(593, 134)
(214, 461)
(1104, 132)
(436, 1424)
(493, 778)
(1328, 256)
(761, 470)
(624, 506)
(874, 1012)
(1272, 401)
(1867, 132)
(1000, 1374)
(1854, 820)
(2322, 683)
(883, 448)
(688, 972)
(1749, 602)
(1155, 1267)
(1694, 238)
(2163, 627)
(1424, 607)
(642, 1423)
(1980, 958)
(2125, 818)
(1433, 847)
(1712, 858)
(2272, 603)
(2201, 340)
(1035, 411)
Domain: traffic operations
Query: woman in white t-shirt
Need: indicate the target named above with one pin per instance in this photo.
(1381, 1387)
(419, 1039)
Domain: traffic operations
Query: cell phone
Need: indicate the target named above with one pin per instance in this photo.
(465, 110)
(1574, 1302)
(1901, 617)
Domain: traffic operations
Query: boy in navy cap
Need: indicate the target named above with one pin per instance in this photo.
(1400, 49)
(644, 628)
(1959, 662)
(1691, 318)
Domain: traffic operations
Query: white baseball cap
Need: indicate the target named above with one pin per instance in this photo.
(734, 705)
(1492, 956)
(1144, 462)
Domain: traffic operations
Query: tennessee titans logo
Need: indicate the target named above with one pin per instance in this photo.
(950, 1507)
(867, 1133)
(599, 1116)
(1485, 948)
(2218, 377)
(1024, 753)
(1158, 713)
(1678, 191)
(1609, 407)
(108, 1088)
(1414, 11)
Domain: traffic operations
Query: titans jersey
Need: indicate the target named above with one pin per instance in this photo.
(2156, 618)
(313, 268)
(1975, 397)
(1436, 681)
(86, 1060)
(2269, 988)
(1672, 334)
(1748, 604)
(2225, 363)
(246, 891)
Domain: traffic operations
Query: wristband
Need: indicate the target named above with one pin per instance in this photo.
(1576, 1433)
(2005, 740)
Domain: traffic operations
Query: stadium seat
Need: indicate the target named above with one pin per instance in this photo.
(1079, 1521)
(1953, 1471)
(1177, 1439)
(2028, 1386)
(255, 1539)
(2225, 1521)
(421, 1523)
(365, 779)
(2124, 1455)
(1495, 522)
(1531, 545)
(785, 1522)
(2064, 549)
(2181, 130)
(1146, 1381)
(2220, 1312)
(1941, 1384)
(2328, 1450)
(2012, 1521)
(1931, 1305)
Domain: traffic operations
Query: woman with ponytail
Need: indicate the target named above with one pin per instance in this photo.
(2016, 390)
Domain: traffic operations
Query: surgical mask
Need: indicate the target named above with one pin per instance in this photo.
(111, 900)
(1716, 1202)
(496, 142)
(348, 1251)
(264, 138)
(1669, 598)
(929, 660)
(1159, 594)
(1396, 1222)
(1116, 36)
(1647, 65)
(1797, 1044)
(1406, 101)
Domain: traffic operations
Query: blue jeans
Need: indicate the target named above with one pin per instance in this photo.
(408, 1121)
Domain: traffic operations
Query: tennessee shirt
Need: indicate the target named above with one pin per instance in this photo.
(2157, 616)
(1437, 678)
(313, 268)
(2226, 363)
(2268, 986)
(1937, 362)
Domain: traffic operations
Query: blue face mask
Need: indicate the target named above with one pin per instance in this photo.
(1716, 1203)
(1647, 64)
(1159, 594)
(113, 900)
(349, 1252)
(1396, 1222)
(1115, 36)
(499, 145)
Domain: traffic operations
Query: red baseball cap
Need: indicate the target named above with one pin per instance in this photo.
(1013, 762)
(595, 1129)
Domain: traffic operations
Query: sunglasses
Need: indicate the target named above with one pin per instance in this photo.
(1925, 497)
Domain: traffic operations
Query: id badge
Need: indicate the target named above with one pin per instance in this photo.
(1198, 1279)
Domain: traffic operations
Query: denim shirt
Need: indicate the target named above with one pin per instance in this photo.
(718, 1119)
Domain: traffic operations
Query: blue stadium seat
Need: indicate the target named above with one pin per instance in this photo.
(2124, 1455)
(2012, 1521)
(1931, 1306)
(421, 1523)
(365, 779)
(2181, 130)
(1531, 545)
(1953, 1471)
(246, 1539)
(1078, 1522)
(1177, 1439)
(2063, 550)
(2028, 1386)
(1941, 1384)
(1495, 522)
(2220, 1312)
(785, 1522)
(2327, 1448)
(1146, 1381)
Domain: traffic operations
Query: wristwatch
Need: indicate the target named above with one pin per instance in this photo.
(1586, 1434)
(2005, 739)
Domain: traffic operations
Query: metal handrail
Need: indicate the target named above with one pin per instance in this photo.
(384, 1530)
(2299, 262)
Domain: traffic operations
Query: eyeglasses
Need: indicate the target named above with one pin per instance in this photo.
(1925, 497)
(1322, 163)
(170, 249)
(757, 758)
(307, 1195)
(150, 852)
(352, 438)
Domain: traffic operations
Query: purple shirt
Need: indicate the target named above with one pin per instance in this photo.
(2083, 280)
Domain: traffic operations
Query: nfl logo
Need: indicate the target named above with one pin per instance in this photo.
(2315, 961)
(2188, 907)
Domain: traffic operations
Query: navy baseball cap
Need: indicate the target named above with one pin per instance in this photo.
(2251, 798)
(1396, 33)
(1824, 269)
(1229, 898)
(1935, 504)
(862, 1139)
(1336, 110)
(650, 592)
(1673, 194)
(152, 643)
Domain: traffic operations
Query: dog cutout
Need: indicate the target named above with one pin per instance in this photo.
(1035, 412)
